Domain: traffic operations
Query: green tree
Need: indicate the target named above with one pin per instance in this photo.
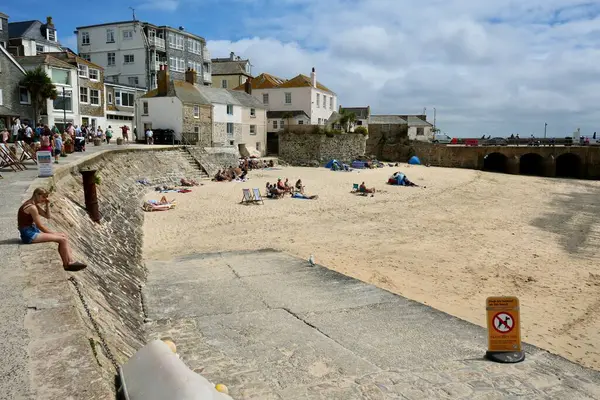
(346, 120)
(41, 88)
(362, 130)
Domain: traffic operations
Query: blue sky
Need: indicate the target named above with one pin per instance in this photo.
(498, 67)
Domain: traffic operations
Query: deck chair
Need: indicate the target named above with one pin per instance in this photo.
(247, 196)
(355, 187)
(8, 160)
(27, 152)
(257, 196)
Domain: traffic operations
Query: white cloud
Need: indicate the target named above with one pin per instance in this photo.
(495, 67)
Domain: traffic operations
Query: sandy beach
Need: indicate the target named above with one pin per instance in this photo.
(466, 236)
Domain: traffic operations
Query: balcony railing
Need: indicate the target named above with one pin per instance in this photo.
(207, 77)
(156, 41)
(206, 55)
(156, 65)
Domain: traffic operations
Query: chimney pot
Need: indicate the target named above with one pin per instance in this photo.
(248, 86)
(313, 77)
(232, 56)
(190, 76)
(163, 81)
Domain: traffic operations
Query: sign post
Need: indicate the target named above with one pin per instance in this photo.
(44, 162)
(504, 330)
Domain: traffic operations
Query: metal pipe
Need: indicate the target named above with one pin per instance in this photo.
(89, 191)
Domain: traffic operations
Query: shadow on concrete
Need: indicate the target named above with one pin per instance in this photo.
(532, 164)
(10, 241)
(568, 165)
(495, 162)
(573, 220)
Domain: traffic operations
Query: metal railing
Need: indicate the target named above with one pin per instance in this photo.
(207, 77)
(156, 41)
(189, 138)
(206, 55)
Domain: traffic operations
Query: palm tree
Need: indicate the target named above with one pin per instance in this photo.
(41, 88)
(347, 120)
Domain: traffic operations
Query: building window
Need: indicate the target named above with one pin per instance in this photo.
(318, 100)
(133, 80)
(110, 101)
(253, 129)
(61, 76)
(128, 58)
(196, 111)
(24, 97)
(319, 123)
(288, 98)
(181, 64)
(94, 74)
(324, 101)
(180, 41)
(39, 48)
(127, 35)
(229, 109)
(229, 129)
(173, 63)
(331, 103)
(124, 99)
(110, 36)
(85, 56)
(224, 83)
(83, 95)
(95, 97)
(111, 59)
(274, 124)
(196, 129)
(145, 108)
(258, 146)
(420, 131)
(82, 70)
(282, 123)
(301, 122)
(63, 102)
(52, 35)
(253, 112)
(0, 91)
(265, 98)
(85, 38)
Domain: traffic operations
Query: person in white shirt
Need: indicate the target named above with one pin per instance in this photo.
(149, 136)
(16, 127)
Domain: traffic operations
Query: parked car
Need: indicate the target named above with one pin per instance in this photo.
(471, 142)
(497, 141)
(442, 138)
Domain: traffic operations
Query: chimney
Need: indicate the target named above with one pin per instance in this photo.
(190, 76)
(248, 86)
(232, 56)
(163, 80)
(49, 22)
(313, 77)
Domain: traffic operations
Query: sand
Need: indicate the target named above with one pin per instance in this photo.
(467, 236)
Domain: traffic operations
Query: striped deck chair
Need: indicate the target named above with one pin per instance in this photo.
(257, 196)
(7, 159)
(27, 152)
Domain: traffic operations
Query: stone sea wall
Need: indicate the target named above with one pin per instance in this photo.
(112, 248)
(311, 148)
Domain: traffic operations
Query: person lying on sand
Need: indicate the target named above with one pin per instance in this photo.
(299, 186)
(188, 182)
(298, 195)
(363, 189)
(32, 229)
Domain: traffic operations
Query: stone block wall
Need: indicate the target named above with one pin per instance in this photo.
(220, 137)
(381, 135)
(113, 248)
(203, 123)
(309, 148)
(213, 159)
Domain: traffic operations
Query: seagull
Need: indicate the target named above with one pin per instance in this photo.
(311, 260)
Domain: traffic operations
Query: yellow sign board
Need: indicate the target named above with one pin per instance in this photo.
(504, 324)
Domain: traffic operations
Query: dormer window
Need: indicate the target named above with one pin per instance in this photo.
(51, 35)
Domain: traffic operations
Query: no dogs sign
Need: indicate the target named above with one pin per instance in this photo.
(504, 331)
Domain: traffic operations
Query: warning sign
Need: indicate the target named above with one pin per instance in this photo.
(504, 331)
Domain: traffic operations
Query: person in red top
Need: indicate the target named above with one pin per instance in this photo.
(124, 131)
(32, 229)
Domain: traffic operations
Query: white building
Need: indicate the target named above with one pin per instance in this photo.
(301, 93)
(30, 38)
(65, 108)
(120, 107)
(132, 52)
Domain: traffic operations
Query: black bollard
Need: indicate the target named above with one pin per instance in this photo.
(89, 191)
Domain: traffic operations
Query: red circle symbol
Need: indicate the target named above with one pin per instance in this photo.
(503, 322)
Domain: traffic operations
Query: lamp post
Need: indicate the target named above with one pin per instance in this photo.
(434, 119)
(64, 110)
(545, 126)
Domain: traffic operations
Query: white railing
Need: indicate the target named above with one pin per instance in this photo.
(206, 55)
(158, 42)
(207, 77)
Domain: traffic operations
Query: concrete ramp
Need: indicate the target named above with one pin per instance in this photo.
(270, 326)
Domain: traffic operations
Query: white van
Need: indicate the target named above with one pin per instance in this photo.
(442, 138)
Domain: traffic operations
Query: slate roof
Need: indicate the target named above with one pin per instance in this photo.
(280, 114)
(387, 119)
(11, 58)
(247, 100)
(333, 118)
(416, 121)
(43, 59)
(230, 68)
(302, 81)
(2, 15)
(359, 112)
(70, 57)
(18, 29)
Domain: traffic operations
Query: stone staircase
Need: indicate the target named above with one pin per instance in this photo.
(194, 163)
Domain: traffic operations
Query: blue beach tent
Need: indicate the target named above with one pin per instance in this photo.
(414, 160)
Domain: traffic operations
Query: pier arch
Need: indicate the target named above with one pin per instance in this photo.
(495, 162)
(532, 164)
(568, 165)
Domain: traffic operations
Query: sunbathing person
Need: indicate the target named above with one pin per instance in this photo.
(276, 192)
(280, 185)
(363, 189)
(299, 186)
(287, 186)
(304, 196)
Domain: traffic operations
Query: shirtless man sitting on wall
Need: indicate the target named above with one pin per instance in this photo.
(32, 229)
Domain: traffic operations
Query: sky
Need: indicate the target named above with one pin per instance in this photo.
(487, 67)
